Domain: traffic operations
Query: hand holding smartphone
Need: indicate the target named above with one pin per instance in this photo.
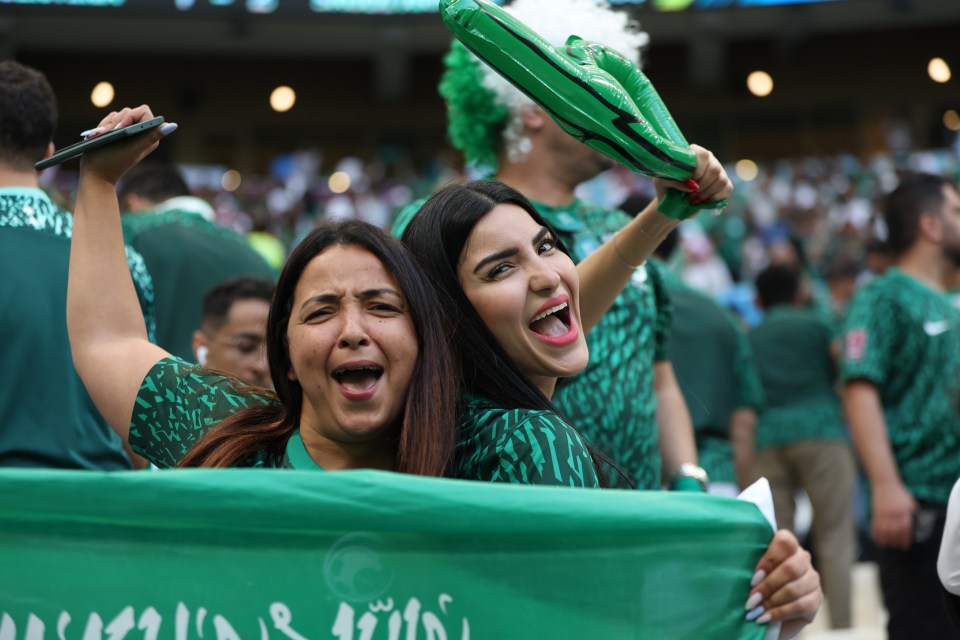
(103, 139)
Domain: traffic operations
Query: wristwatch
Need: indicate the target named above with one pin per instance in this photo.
(689, 472)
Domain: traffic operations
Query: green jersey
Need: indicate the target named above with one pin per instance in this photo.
(905, 339)
(793, 354)
(47, 419)
(612, 402)
(187, 256)
(179, 403)
(713, 363)
(520, 446)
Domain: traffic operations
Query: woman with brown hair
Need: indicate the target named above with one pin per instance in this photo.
(355, 343)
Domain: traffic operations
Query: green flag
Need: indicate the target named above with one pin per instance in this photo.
(364, 555)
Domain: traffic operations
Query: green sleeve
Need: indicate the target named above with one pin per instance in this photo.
(178, 403)
(868, 337)
(664, 319)
(749, 388)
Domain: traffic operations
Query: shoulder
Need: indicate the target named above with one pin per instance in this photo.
(32, 208)
(479, 411)
(484, 420)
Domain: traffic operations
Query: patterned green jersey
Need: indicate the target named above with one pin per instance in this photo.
(905, 338)
(178, 403)
(187, 256)
(47, 419)
(713, 363)
(612, 401)
(792, 350)
(521, 446)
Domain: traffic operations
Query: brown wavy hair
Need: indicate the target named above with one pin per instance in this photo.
(427, 430)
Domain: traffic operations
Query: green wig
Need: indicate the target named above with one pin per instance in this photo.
(475, 121)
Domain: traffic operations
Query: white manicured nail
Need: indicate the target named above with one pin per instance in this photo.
(168, 128)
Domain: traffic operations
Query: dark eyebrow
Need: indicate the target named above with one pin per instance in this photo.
(373, 293)
(365, 295)
(493, 257)
(246, 335)
(543, 233)
(506, 253)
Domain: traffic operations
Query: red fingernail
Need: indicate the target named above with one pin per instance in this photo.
(692, 184)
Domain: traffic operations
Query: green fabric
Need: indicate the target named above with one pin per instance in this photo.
(953, 296)
(792, 348)
(612, 402)
(905, 339)
(238, 553)
(714, 367)
(178, 403)
(187, 256)
(47, 419)
(521, 446)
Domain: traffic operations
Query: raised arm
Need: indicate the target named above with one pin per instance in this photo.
(606, 271)
(108, 337)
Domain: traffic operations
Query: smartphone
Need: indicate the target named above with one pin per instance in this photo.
(101, 140)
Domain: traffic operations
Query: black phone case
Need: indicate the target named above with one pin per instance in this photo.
(104, 139)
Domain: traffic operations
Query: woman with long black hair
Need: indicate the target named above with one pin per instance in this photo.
(355, 343)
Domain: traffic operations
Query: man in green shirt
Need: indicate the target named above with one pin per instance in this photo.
(714, 368)
(47, 419)
(801, 441)
(901, 369)
(627, 402)
(186, 253)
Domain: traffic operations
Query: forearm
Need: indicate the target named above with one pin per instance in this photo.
(108, 337)
(864, 413)
(675, 429)
(743, 430)
(605, 272)
(102, 303)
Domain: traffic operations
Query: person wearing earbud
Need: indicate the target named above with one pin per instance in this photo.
(233, 328)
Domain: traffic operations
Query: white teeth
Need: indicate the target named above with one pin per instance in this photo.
(562, 305)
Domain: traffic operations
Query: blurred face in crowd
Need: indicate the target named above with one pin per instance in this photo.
(949, 216)
(575, 160)
(527, 292)
(352, 345)
(238, 346)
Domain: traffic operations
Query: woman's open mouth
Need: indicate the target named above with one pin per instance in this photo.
(553, 324)
(358, 382)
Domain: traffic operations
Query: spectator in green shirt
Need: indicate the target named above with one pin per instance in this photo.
(186, 252)
(47, 418)
(522, 321)
(901, 370)
(715, 370)
(801, 440)
(356, 345)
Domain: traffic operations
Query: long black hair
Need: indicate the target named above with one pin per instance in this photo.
(427, 432)
(436, 236)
